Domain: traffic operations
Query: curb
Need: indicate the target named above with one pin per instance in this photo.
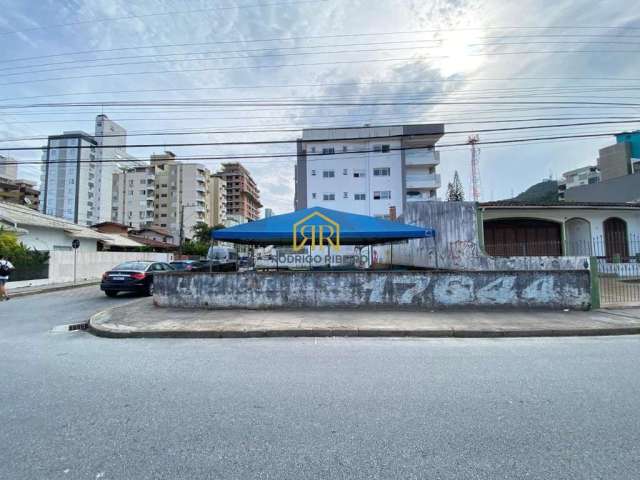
(355, 332)
(52, 289)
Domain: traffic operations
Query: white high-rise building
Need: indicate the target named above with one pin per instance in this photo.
(112, 155)
(70, 172)
(367, 170)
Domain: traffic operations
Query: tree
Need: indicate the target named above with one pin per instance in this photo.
(201, 233)
(455, 193)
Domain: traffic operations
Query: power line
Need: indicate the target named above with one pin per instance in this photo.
(82, 63)
(311, 154)
(289, 130)
(355, 84)
(293, 141)
(343, 35)
(156, 14)
(237, 67)
(304, 103)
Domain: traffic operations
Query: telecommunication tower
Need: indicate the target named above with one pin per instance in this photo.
(475, 167)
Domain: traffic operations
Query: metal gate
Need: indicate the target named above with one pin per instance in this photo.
(619, 282)
(618, 266)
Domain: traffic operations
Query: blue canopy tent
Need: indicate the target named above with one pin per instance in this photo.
(353, 229)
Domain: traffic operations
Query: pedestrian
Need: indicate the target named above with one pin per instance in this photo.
(6, 268)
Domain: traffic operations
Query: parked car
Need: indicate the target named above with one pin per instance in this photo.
(221, 259)
(134, 276)
(187, 265)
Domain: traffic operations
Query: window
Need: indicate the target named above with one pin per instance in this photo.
(143, 192)
(345, 172)
(328, 197)
(359, 196)
(382, 195)
(328, 151)
(345, 195)
(313, 173)
(313, 195)
(344, 148)
(313, 149)
(163, 195)
(359, 174)
(328, 174)
(382, 172)
(142, 182)
(382, 148)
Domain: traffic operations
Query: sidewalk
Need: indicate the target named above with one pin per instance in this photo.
(142, 319)
(24, 291)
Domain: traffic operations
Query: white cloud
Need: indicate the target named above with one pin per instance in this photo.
(457, 24)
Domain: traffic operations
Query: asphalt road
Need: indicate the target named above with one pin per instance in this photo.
(73, 406)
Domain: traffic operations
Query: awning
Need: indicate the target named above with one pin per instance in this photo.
(353, 229)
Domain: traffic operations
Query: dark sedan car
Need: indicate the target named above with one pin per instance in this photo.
(136, 276)
(186, 265)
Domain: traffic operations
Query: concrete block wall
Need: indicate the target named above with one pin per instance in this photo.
(374, 289)
(457, 243)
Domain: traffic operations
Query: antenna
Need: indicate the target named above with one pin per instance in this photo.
(475, 167)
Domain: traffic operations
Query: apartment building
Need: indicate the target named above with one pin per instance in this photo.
(181, 194)
(217, 200)
(619, 166)
(268, 213)
(69, 180)
(133, 197)
(8, 168)
(111, 152)
(243, 196)
(20, 192)
(167, 194)
(574, 178)
(367, 170)
(76, 180)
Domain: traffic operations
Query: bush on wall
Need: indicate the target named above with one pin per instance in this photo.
(30, 264)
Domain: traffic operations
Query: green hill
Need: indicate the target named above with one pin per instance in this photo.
(545, 191)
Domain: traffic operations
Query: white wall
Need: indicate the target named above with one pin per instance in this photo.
(347, 183)
(47, 239)
(91, 265)
(595, 217)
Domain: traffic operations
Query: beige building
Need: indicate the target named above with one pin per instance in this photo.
(20, 192)
(182, 194)
(217, 200)
(133, 197)
(243, 196)
(168, 194)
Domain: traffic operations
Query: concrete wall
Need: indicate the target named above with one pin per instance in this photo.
(91, 265)
(335, 289)
(457, 243)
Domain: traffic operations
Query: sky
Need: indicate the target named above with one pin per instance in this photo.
(473, 65)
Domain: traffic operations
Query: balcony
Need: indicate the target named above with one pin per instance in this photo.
(421, 156)
(423, 181)
(422, 197)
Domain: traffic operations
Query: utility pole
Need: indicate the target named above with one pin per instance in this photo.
(182, 225)
(475, 167)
